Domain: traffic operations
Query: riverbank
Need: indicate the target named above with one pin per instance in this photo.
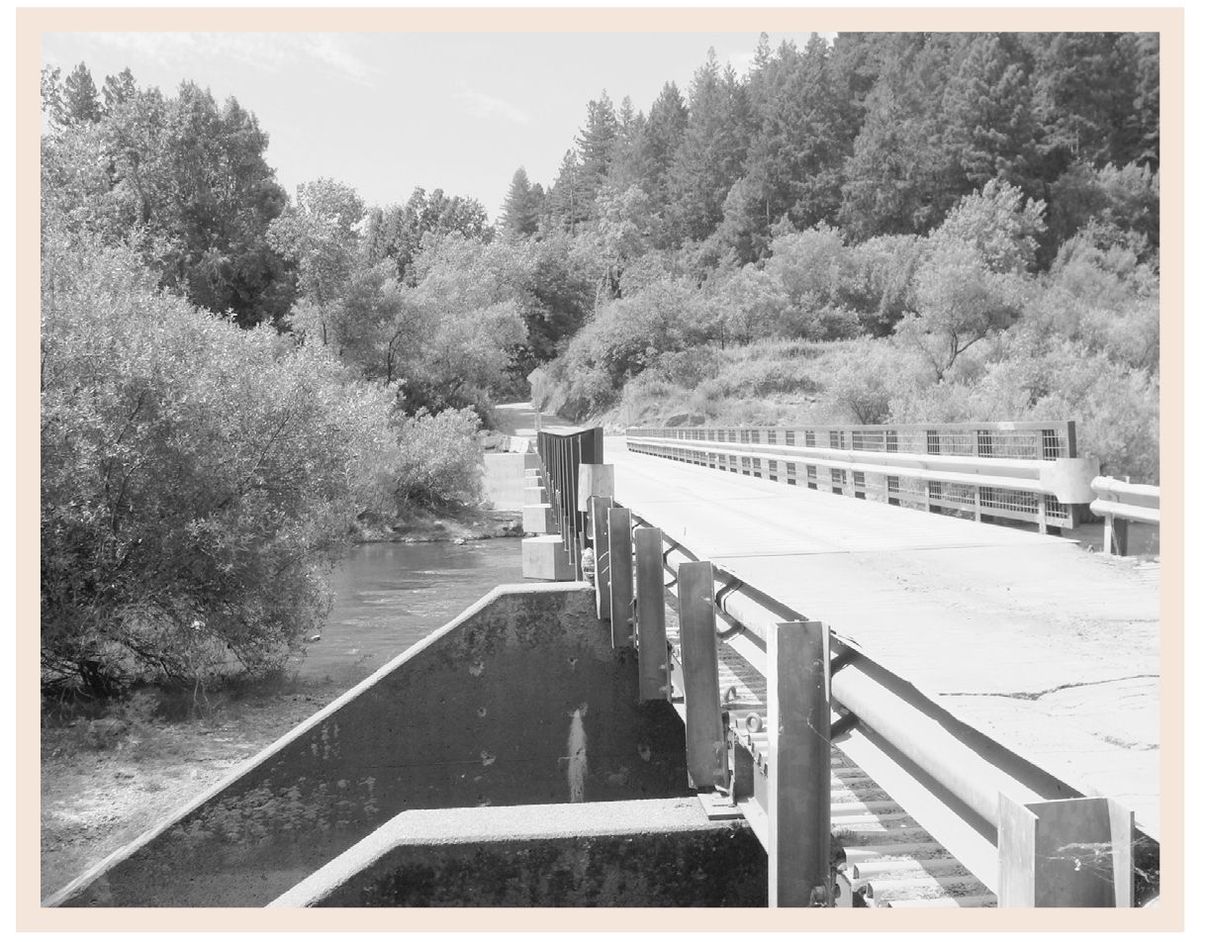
(456, 526)
(108, 779)
(113, 770)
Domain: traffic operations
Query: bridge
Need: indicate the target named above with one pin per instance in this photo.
(806, 667)
(995, 686)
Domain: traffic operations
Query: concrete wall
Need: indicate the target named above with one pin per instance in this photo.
(504, 480)
(648, 853)
(480, 713)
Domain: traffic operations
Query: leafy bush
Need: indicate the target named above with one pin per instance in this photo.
(1116, 406)
(862, 378)
(439, 459)
(198, 480)
(1126, 198)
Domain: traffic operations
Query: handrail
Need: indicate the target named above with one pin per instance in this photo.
(906, 742)
(1039, 485)
(561, 452)
(1120, 503)
(1023, 439)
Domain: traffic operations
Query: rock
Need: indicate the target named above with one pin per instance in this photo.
(684, 420)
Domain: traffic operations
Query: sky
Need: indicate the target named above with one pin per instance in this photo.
(388, 112)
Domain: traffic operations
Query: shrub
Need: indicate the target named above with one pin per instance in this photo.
(439, 459)
(198, 480)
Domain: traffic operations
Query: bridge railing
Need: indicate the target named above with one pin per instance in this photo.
(1121, 503)
(1015, 471)
(980, 800)
(562, 452)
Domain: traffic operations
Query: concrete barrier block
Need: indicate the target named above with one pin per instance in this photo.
(531, 461)
(1070, 479)
(534, 495)
(537, 518)
(546, 558)
(594, 480)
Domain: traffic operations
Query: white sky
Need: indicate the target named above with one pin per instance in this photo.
(388, 112)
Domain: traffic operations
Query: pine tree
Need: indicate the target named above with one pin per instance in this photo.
(52, 95)
(990, 127)
(80, 101)
(712, 154)
(900, 178)
(596, 147)
(659, 143)
(566, 207)
(1086, 87)
(521, 212)
(797, 152)
(118, 89)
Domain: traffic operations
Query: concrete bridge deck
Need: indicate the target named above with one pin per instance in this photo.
(1048, 649)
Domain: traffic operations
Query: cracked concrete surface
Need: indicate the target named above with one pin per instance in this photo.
(1052, 651)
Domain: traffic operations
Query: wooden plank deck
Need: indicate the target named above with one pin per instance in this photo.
(1048, 649)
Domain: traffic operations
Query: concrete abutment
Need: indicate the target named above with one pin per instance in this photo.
(519, 702)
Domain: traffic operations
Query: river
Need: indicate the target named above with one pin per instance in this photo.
(390, 595)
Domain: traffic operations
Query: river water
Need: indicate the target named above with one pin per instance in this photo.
(390, 595)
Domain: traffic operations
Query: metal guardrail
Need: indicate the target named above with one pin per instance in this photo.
(562, 451)
(1014, 471)
(1121, 503)
(981, 801)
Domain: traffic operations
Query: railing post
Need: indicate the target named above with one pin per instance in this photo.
(799, 791)
(619, 540)
(706, 748)
(650, 615)
(1075, 853)
(602, 555)
(1117, 535)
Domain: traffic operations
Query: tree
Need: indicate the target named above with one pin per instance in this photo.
(991, 129)
(466, 322)
(521, 212)
(51, 87)
(1000, 223)
(797, 152)
(900, 178)
(80, 101)
(812, 267)
(1096, 95)
(557, 295)
(198, 480)
(1125, 199)
(751, 302)
(398, 233)
(188, 182)
(318, 233)
(659, 143)
(567, 206)
(618, 235)
(712, 153)
(596, 143)
(960, 302)
(119, 89)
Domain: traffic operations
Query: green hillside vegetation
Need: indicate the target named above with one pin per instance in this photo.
(887, 228)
